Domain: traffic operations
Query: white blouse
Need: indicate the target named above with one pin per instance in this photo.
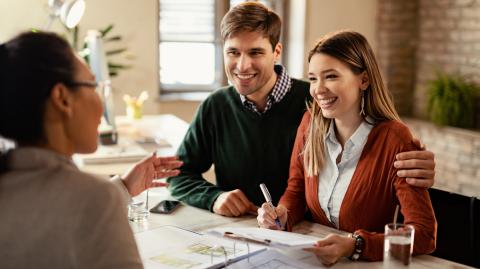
(334, 178)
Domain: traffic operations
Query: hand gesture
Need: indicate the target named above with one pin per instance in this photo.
(267, 215)
(418, 167)
(142, 175)
(332, 248)
(233, 204)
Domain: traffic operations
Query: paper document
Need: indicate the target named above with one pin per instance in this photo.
(275, 237)
(170, 247)
(272, 259)
(122, 152)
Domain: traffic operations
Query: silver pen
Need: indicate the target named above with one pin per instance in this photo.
(268, 198)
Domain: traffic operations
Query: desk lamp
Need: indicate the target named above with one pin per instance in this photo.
(69, 11)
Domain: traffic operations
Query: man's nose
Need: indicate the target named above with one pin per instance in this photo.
(244, 63)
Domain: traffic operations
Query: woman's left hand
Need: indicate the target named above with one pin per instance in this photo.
(142, 175)
(332, 248)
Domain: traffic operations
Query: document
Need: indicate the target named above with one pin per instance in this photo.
(276, 238)
(170, 247)
(124, 151)
(272, 259)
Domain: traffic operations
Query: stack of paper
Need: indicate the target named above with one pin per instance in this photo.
(277, 238)
(170, 247)
(272, 259)
(126, 152)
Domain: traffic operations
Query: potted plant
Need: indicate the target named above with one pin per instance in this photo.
(451, 101)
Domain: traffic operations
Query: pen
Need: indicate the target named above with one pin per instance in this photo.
(247, 239)
(268, 198)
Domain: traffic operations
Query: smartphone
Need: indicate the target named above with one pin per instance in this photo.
(165, 207)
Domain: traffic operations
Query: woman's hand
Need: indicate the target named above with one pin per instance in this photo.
(267, 215)
(333, 248)
(142, 175)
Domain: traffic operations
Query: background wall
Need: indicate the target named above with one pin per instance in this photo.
(136, 21)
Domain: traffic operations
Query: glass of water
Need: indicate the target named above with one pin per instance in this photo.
(398, 245)
(138, 208)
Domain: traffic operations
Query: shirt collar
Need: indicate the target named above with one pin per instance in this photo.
(26, 158)
(280, 89)
(358, 137)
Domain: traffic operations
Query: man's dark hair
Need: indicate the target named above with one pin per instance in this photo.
(252, 17)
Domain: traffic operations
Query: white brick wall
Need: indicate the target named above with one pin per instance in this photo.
(457, 155)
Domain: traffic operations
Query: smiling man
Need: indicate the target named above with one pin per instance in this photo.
(247, 130)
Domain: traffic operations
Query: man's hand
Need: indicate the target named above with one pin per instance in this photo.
(233, 204)
(142, 175)
(332, 248)
(418, 167)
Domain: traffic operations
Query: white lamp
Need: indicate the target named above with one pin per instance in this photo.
(69, 11)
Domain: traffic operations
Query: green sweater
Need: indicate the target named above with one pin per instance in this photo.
(246, 148)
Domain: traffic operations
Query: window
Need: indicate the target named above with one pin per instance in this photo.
(190, 46)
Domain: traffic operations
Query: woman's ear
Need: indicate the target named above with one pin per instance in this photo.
(365, 82)
(62, 99)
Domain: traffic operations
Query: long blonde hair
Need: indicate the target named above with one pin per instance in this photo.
(353, 49)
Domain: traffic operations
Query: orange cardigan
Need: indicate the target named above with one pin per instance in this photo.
(373, 193)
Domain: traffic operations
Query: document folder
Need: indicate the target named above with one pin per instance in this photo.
(173, 247)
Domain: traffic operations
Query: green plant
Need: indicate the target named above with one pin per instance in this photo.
(113, 66)
(451, 101)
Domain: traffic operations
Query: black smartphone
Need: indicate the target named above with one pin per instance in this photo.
(165, 207)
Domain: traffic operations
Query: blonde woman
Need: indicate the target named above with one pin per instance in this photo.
(341, 167)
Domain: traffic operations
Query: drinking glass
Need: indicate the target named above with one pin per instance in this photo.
(138, 208)
(398, 245)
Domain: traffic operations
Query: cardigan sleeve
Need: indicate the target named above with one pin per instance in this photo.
(417, 210)
(294, 197)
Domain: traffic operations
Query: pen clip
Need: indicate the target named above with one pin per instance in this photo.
(247, 239)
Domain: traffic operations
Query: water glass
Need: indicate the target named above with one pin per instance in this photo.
(398, 245)
(138, 208)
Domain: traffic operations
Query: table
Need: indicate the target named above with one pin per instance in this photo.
(173, 129)
(169, 128)
(199, 220)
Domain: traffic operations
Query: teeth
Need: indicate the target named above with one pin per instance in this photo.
(327, 101)
(244, 76)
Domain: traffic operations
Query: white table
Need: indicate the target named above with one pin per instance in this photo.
(169, 127)
(173, 129)
(200, 220)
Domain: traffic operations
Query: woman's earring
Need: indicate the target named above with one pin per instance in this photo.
(362, 104)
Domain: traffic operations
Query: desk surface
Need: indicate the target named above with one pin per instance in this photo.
(167, 127)
(172, 129)
(199, 220)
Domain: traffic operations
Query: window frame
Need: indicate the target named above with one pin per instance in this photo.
(221, 8)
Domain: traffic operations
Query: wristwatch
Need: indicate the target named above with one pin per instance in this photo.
(359, 246)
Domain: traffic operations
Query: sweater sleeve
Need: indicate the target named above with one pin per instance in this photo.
(294, 197)
(417, 210)
(103, 237)
(196, 153)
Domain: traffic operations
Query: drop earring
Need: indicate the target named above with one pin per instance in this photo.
(362, 104)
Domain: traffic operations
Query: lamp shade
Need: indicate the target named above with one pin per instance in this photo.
(70, 12)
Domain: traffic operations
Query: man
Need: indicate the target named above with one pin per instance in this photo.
(247, 130)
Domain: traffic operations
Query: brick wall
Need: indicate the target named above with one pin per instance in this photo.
(397, 29)
(415, 38)
(457, 155)
(448, 40)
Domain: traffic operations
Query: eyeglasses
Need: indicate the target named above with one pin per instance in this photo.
(89, 84)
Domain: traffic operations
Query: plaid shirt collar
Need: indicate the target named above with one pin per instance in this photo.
(280, 89)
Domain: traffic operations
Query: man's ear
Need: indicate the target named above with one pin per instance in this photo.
(277, 52)
(365, 82)
(62, 99)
